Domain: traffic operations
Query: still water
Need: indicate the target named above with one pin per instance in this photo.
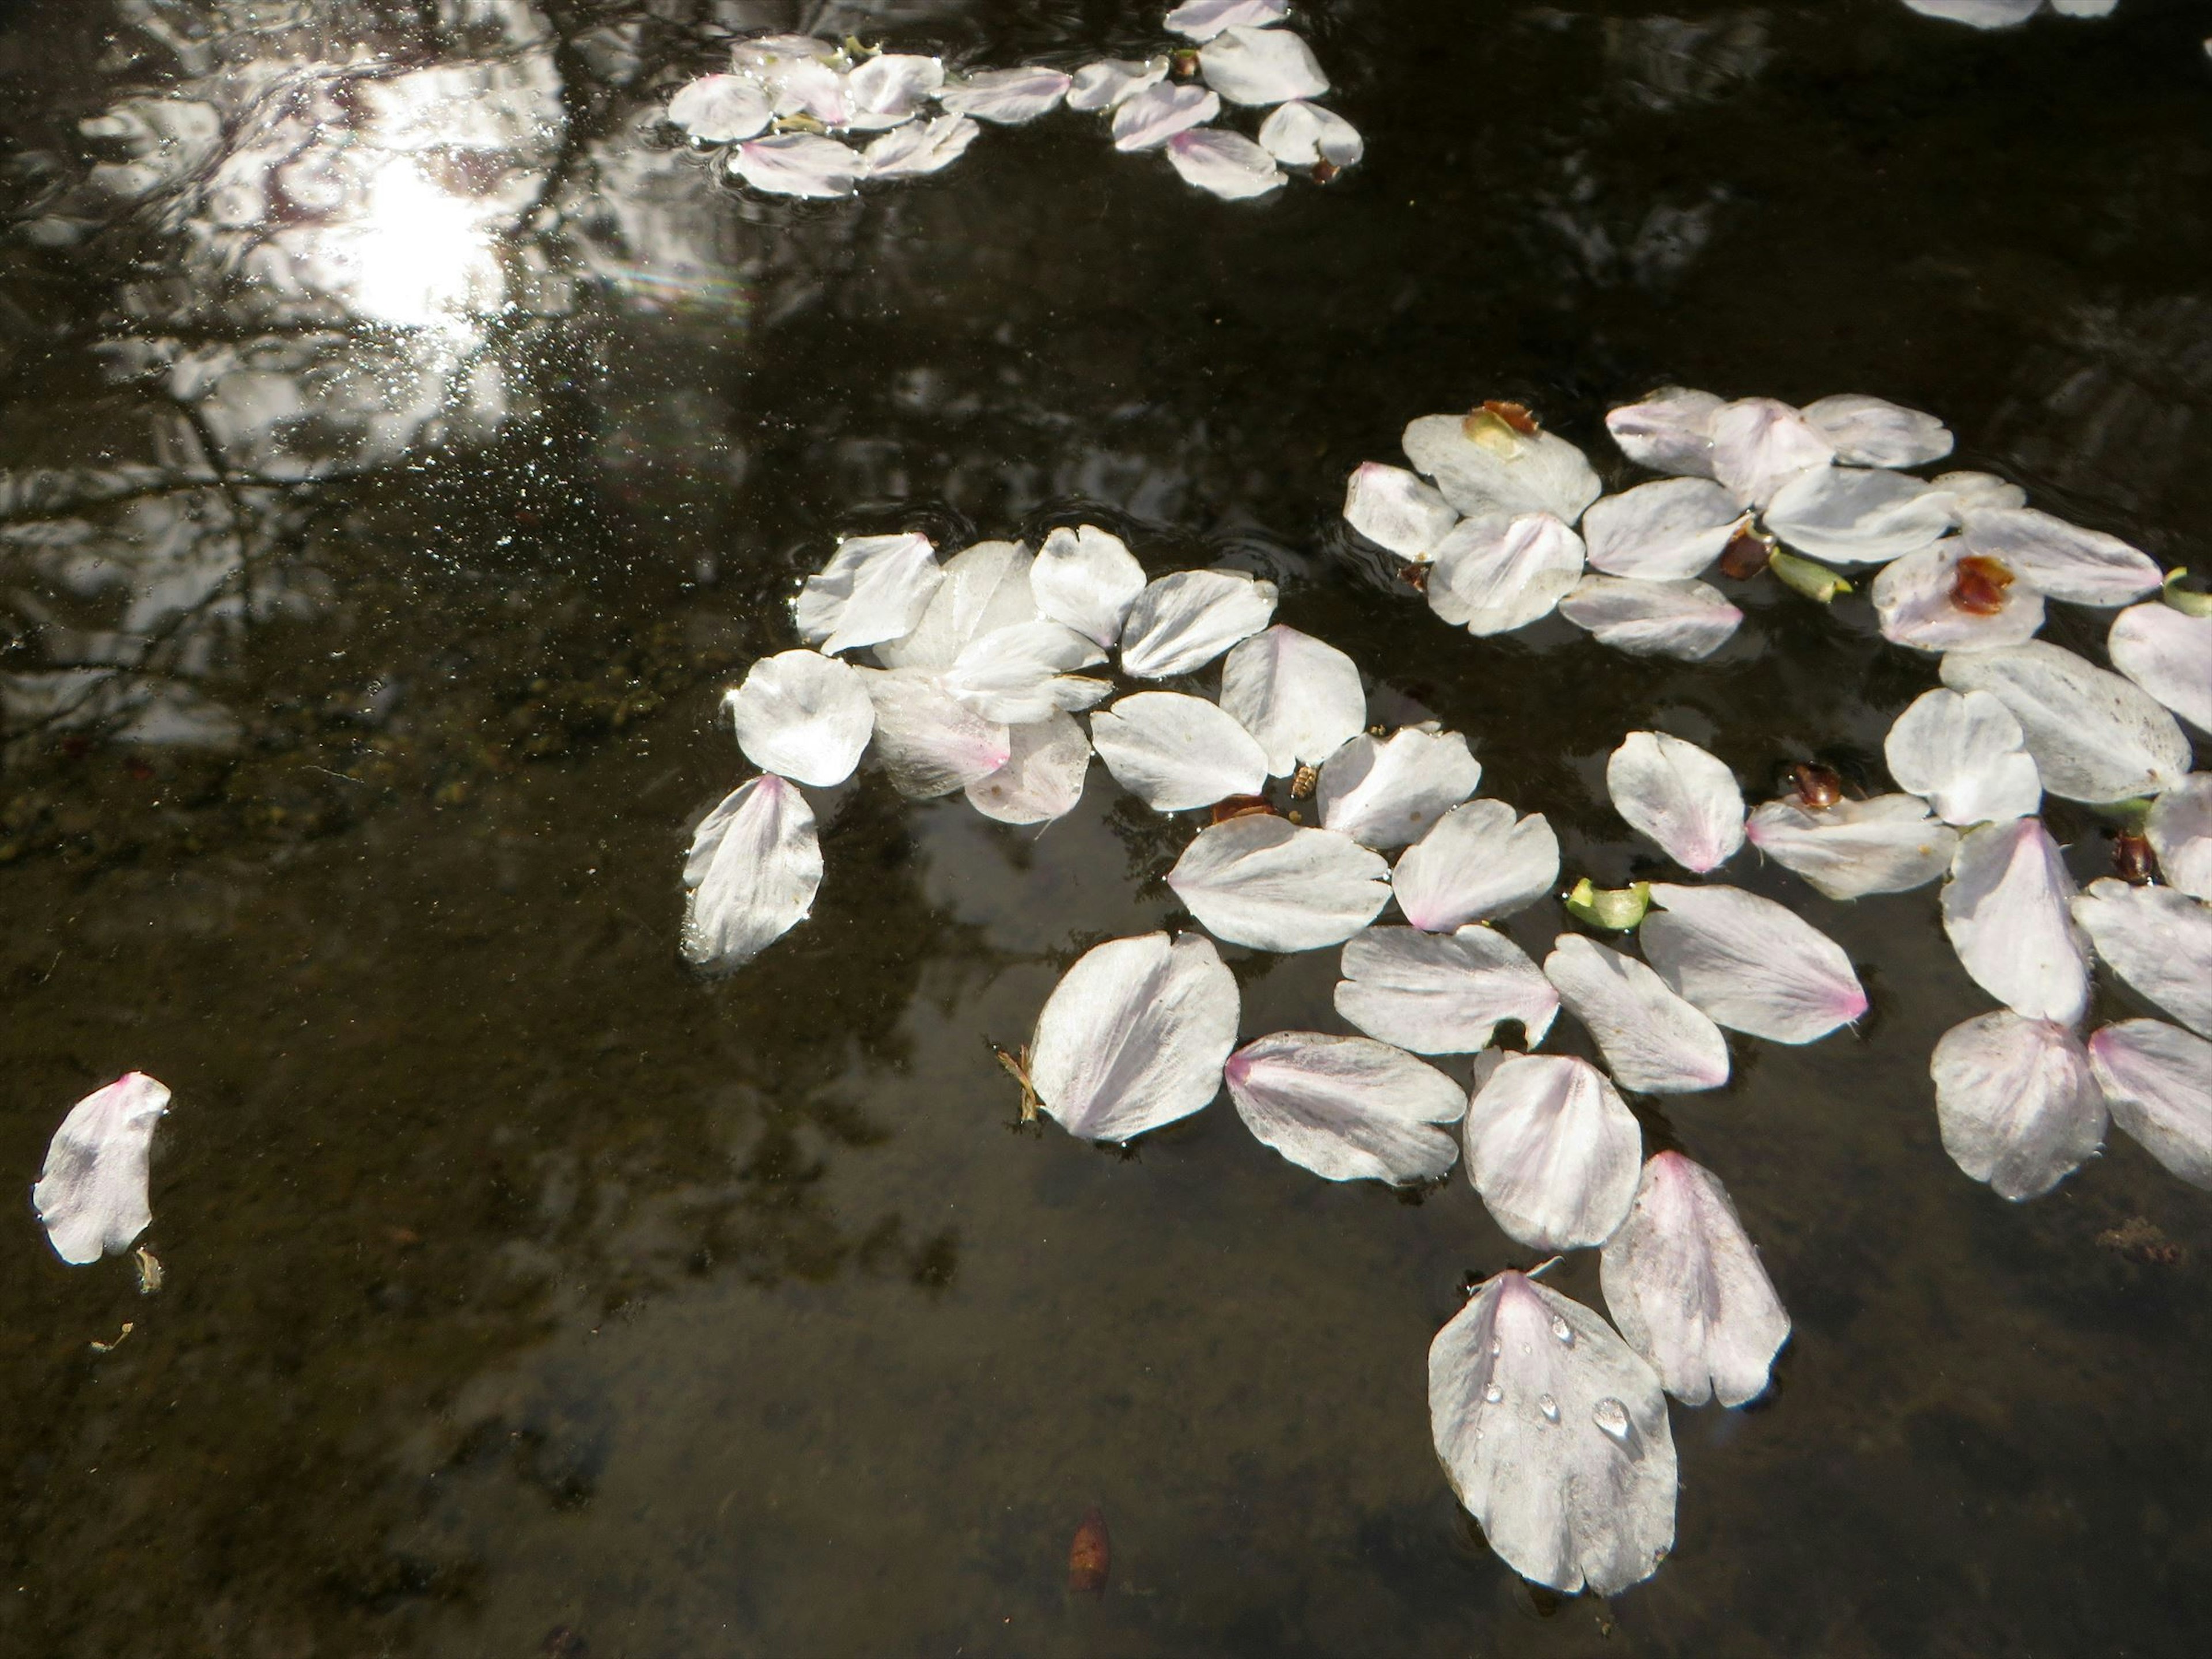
(403, 442)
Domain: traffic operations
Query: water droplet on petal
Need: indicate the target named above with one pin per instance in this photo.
(1563, 1331)
(1493, 1394)
(1612, 1416)
(1549, 1406)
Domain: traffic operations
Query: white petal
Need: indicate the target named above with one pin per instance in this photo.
(1687, 620)
(1261, 880)
(929, 740)
(1386, 794)
(1653, 1040)
(1479, 863)
(1980, 14)
(920, 146)
(2180, 831)
(1553, 1151)
(1019, 674)
(719, 109)
(1684, 1282)
(1347, 1107)
(1395, 509)
(1487, 469)
(1750, 965)
(2157, 1082)
(1759, 444)
(1886, 845)
(1249, 65)
(802, 715)
(1301, 135)
(2158, 941)
(874, 588)
(798, 164)
(1134, 1036)
(1874, 432)
(2081, 567)
(1202, 19)
(753, 870)
(2169, 655)
(1042, 778)
(984, 587)
(1965, 755)
(1442, 993)
(1228, 164)
(1113, 81)
(1681, 796)
(1853, 515)
(2005, 909)
(91, 1197)
(2095, 736)
(1155, 115)
(1087, 579)
(1491, 576)
(1670, 431)
(890, 88)
(1301, 698)
(2017, 1103)
(1186, 620)
(1970, 492)
(1174, 751)
(1559, 1447)
(1660, 531)
(1913, 598)
(1007, 96)
(799, 73)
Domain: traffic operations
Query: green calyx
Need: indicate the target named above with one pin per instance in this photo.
(2187, 600)
(1815, 580)
(1616, 908)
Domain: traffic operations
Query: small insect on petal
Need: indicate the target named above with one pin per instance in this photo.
(1745, 556)
(1979, 584)
(2133, 861)
(1091, 1556)
(1303, 781)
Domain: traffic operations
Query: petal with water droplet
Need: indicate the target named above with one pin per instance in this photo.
(1553, 1151)
(1042, 778)
(1442, 993)
(1174, 751)
(2017, 1103)
(1134, 1036)
(2158, 940)
(1670, 431)
(1113, 81)
(984, 587)
(1662, 531)
(1202, 19)
(1491, 576)
(2081, 567)
(752, 872)
(1009, 97)
(1481, 861)
(1653, 1040)
(874, 588)
(2157, 1081)
(92, 1196)
(1301, 698)
(1087, 579)
(1261, 880)
(1249, 65)
(1749, 963)
(1678, 795)
(1150, 118)
(1019, 674)
(929, 741)
(1852, 515)
(1965, 755)
(1759, 444)
(2095, 736)
(1886, 845)
(1348, 1109)
(1487, 469)
(798, 164)
(719, 109)
(920, 148)
(1227, 164)
(1913, 598)
(1397, 510)
(1686, 620)
(2180, 831)
(890, 88)
(1186, 620)
(1301, 135)
(1385, 794)
(1874, 432)
(2169, 655)
(802, 715)
(2005, 909)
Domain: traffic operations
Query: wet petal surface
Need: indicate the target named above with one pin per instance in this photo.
(1481, 861)
(1348, 1109)
(1679, 796)
(752, 872)
(1886, 845)
(1964, 754)
(2006, 911)
(1654, 1041)
(1442, 993)
(1553, 1151)
(1385, 794)
(1262, 881)
(1174, 751)
(91, 1196)
(2095, 736)
(1300, 697)
(1749, 963)
(2016, 1103)
(1134, 1036)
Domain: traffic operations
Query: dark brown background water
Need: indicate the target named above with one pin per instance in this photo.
(518, 1280)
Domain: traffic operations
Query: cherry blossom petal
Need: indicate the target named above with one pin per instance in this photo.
(1248, 65)
(1965, 755)
(929, 742)
(2081, 567)
(2169, 655)
(1347, 1107)
(1301, 135)
(1749, 963)
(1491, 576)
(1009, 97)
(1684, 1282)
(1874, 432)
(1301, 698)
(889, 89)
(1150, 118)
(799, 164)
(984, 587)
(1487, 469)
(1667, 529)
(1852, 515)
(2016, 1103)
(1686, 620)
(719, 109)
(1134, 1036)
(1670, 431)
(1202, 19)
(1759, 444)
(1913, 597)
(1557, 1444)
(874, 588)
(2180, 831)
(1019, 674)
(2157, 1081)
(91, 1197)
(1261, 880)
(1087, 579)
(1679, 796)
(1112, 82)
(752, 872)
(800, 75)
(1479, 862)
(1228, 164)
(1886, 845)
(920, 148)
(1653, 1040)
(1971, 492)
(1397, 510)
(1174, 751)
(1553, 1151)
(2095, 736)
(1978, 13)
(1185, 621)
(2006, 910)
(1042, 778)
(2158, 940)
(802, 715)
(1384, 794)
(1442, 993)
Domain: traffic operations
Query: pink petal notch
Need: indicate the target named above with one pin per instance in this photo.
(752, 872)
(1679, 796)
(1346, 1107)
(1653, 1041)
(1481, 862)
(2159, 940)
(92, 1196)
(1134, 1036)
(2157, 1081)
(1750, 965)
(2016, 1103)
(1087, 579)
(1261, 880)
(2005, 909)
(1442, 993)
(1553, 1151)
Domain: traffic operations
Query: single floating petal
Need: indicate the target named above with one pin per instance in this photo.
(889, 89)
(1134, 1036)
(802, 715)
(1019, 674)
(2158, 941)
(2169, 655)
(1301, 698)
(1488, 470)
(1042, 778)
(1970, 492)
(1849, 515)
(1386, 794)
(2016, 1103)
(1874, 432)
(1759, 444)
(798, 164)
(1886, 845)
(1228, 164)
(929, 740)
(1491, 577)
(92, 1196)
(753, 870)
(1348, 1109)
(1916, 598)
(1248, 65)
(1558, 1446)
(2081, 567)
(1687, 620)
(920, 148)
(1112, 82)
(1399, 511)
(1202, 19)
(1749, 963)
(1653, 1040)
(1553, 1151)
(874, 588)
(1185, 621)
(1174, 751)
(1087, 579)
(1442, 993)
(1978, 13)
(1965, 755)
(1261, 880)
(1679, 796)
(721, 109)
(1670, 431)
(2157, 1082)
(2095, 736)
(984, 587)
(2180, 831)
(1301, 135)
(1150, 118)
(1009, 97)
(1663, 530)
(2006, 910)
(1478, 863)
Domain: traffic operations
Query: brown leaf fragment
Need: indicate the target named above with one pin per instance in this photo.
(2139, 1239)
(1243, 806)
(1090, 1555)
(1018, 1067)
(1744, 556)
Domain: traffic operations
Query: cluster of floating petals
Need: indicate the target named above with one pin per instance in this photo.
(811, 117)
(91, 1197)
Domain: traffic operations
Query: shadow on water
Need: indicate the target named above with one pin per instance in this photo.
(401, 443)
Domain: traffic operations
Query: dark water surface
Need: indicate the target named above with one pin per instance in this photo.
(361, 680)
